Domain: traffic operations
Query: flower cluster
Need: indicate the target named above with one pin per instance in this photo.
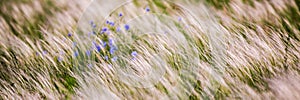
(105, 45)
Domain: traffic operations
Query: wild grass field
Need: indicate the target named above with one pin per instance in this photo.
(150, 49)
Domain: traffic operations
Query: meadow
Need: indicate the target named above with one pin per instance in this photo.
(150, 49)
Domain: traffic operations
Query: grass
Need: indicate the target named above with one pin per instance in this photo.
(219, 49)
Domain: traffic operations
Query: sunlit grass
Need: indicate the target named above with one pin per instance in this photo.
(241, 50)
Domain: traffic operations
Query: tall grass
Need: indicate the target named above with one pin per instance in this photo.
(210, 49)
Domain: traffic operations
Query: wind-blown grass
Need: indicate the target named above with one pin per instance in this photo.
(237, 50)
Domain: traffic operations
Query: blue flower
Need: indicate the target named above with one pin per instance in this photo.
(133, 58)
(74, 44)
(104, 29)
(90, 65)
(111, 23)
(104, 44)
(118, 29)
(147, 9)
(94, 43)
(106, 57)
(88, 52)
(76, 54)
(126, 27)
(107, 22)
(91, 33)
(114, 59)
(92, 22)
(112, 50)
(59, 59)
(69, 34)
(120, 14)
(61, 53)
(179, 18)
(134, 53)
(110, 42)
(45, 52)
(94, 25)
(98, 47)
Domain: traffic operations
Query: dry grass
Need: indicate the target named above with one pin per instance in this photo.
(216, 50)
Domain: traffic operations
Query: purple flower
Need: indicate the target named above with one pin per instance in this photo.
(147, 9)
(74, 44)
(111, 23)
(98, 47)
(61, 53)
(106, 57)
(110, 42)
(107, 22)
(134, 53)
(76, 54)
(90, 65)
(126, 27)
(69, 34)
(120, 14)
(94, 43)
(114, 59)
(94, 25)
(179, 18)
(112, 50)
(91, 33)
(104, 29)
(92, 22)
(118, 29)
(104, 44)
(88, 52)
(59, 59)
(45, 52)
